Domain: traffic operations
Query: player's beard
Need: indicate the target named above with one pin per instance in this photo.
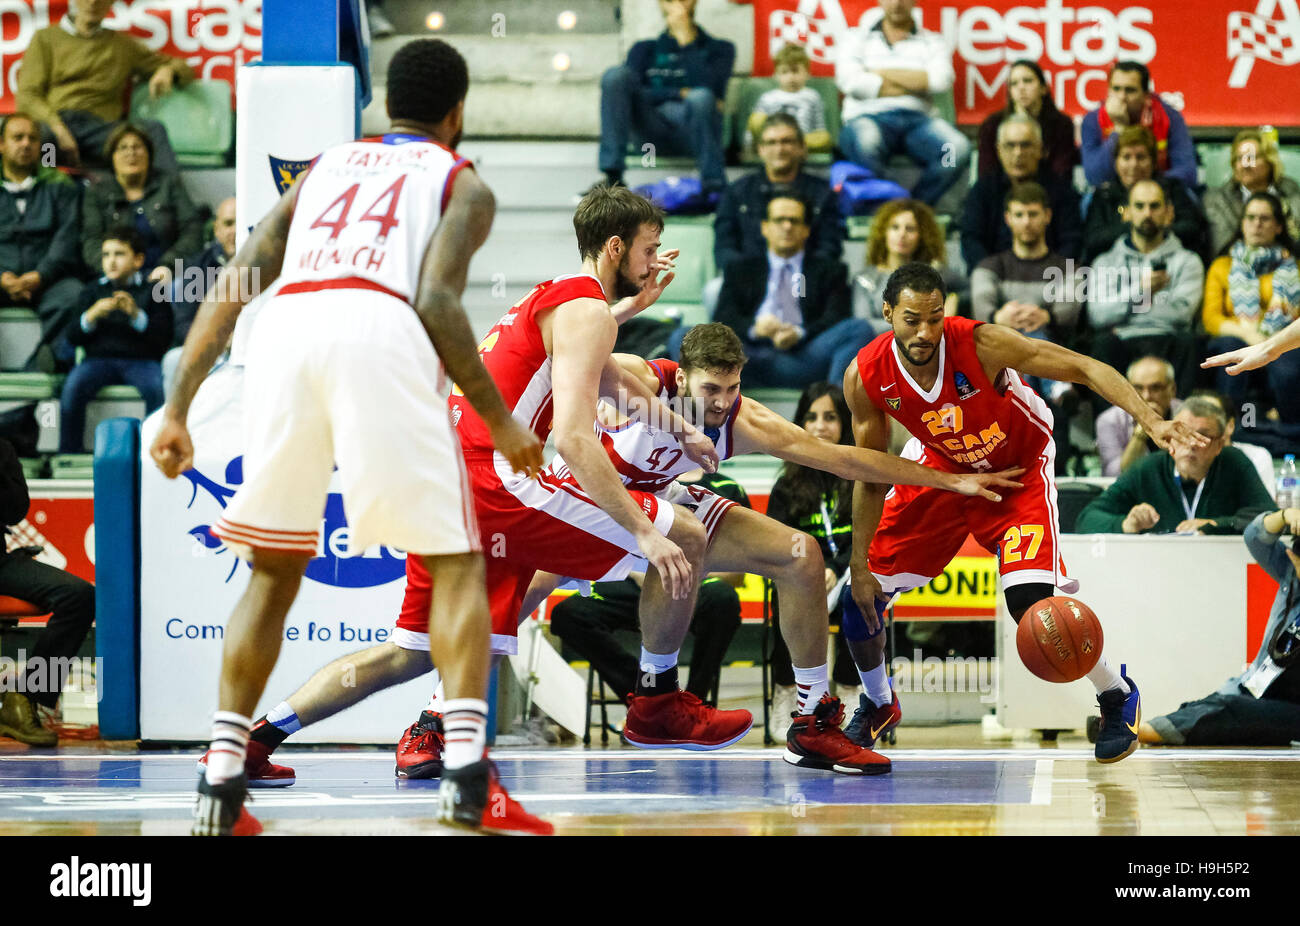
(913, 358)
(624, 286)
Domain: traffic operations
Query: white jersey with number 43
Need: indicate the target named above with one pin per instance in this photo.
(367, 209)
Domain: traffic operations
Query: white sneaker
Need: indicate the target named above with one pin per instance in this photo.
(784, 703)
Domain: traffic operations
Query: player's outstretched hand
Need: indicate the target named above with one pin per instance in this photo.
(866, 592)
(172, 448)
(982, 484)
(655, 285)
(1240, 360)
(520, 446)
(1171, 434)
(675, 570)
(699, 449)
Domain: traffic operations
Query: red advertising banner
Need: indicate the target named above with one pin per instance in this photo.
(1222, 62)
(64, 526)
(213, 36)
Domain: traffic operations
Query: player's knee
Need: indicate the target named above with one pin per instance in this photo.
(689, 534)
(806, 556)
(1020, 597)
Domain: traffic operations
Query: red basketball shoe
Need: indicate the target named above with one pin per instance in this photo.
(419, 751)
(259, 769)
(816, 741)
(471, 797)
(680, 720)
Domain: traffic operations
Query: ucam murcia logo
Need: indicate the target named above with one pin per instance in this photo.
(1261, 36)
(76, 878)
(334, 563)
(285, 172)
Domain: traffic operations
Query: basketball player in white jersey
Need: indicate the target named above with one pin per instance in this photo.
(371, 248)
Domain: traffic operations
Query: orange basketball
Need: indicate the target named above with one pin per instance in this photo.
(1059, 639)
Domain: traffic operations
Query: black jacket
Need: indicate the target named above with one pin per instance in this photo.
(114, 337)
(175, 221)
(14, 500)
(737, 230)
(46, 236)
(984, 231)
(663, 67)
(744, 285)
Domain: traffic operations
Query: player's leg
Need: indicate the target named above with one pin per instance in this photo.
(877, 710)
(746, 541)
(713, 625)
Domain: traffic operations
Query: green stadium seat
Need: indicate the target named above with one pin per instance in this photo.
(20, 332)
(198, 117)
(695, 264)
(72, 466)
(111, 402)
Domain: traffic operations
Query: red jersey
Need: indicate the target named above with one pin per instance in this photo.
(517, 361)
(967, 420)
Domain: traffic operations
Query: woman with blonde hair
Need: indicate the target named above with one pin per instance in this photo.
(902, 230)
(1256, 168)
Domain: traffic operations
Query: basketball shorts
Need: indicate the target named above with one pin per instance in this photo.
(347, 378)
(922, 529)
(550, 525)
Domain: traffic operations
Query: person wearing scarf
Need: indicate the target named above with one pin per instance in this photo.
(1251, 293)
(1129, 101)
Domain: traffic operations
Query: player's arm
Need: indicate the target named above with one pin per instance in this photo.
(870, 433)
(758, 429)
(1001, 347)
(260, 259)
(635, 389)
(461, 231)
(582, 336)
(1258, 355)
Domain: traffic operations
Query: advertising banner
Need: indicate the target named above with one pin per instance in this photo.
(1222, 62)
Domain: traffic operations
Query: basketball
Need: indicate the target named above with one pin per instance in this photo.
(1059, 639)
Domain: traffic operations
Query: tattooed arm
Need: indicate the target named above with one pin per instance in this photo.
(261, 256)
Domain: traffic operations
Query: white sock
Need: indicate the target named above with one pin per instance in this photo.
(284, 719)
(1104, 678)
(657, 663)
(229, 746)
(875, 684)
(464, 724)
(438, 698)
(810, 685)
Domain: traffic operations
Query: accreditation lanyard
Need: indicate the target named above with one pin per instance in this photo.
(1182, 496)
(830, 530)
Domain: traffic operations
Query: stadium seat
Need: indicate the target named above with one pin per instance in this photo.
(751, 88)
(111, 402)
(20, 332)
(198, 117)
(695, 267)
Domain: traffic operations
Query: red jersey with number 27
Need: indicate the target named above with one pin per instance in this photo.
(967, 420)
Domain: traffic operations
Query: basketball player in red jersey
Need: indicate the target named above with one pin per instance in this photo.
(955, 385)
(372, 246)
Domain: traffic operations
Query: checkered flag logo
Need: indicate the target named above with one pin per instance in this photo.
(817, 25)
(25, 534)
(1262, 36)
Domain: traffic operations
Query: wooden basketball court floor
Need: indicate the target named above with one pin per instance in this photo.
(110, 789)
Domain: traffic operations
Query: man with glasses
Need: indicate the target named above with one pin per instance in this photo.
(1121, 441)
(984, 230)
(790, 307)
(737, 228)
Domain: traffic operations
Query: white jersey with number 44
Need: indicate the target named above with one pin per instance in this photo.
(367, 209)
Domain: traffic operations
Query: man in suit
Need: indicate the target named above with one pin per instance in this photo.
(789, 308)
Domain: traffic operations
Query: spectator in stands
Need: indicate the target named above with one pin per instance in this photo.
(1260, 707)
(1256, 168)
(984, 230)
(902, 230)
(1204, 490)
(890, 74)
(1258, 455)
(201, 269)
(1028, 94)
(70, 601)
(1121, 442)
(669, 93)
(821, 505)
(794, 97)
(1129, 101)
(790, 308)
(1145, 291)
(125, 326)
(587, 625)
(76, 75)
(1251, 293)
(1013, 287)
(155, 204)
(40, 219)
(738, 225)
(1135, 159)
